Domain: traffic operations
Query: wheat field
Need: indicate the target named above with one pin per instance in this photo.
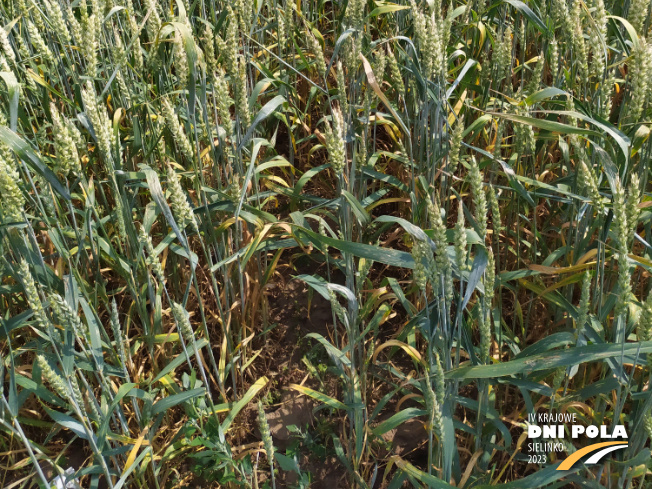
(326, 244)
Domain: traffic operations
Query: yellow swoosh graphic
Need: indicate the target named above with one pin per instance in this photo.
(570, 461)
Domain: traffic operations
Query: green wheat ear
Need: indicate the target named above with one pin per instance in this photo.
(335, 142)
(6, 46)
(266, 436)
(33, 296)
(182, 319)
(460, 239)
(178, 200)
(177, 131)
(55, 380)
(265, 433)
(11, 197)
(65, 145)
